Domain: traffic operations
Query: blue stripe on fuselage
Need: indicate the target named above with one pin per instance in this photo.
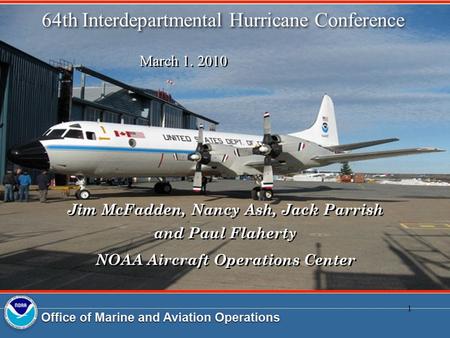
(118, 149)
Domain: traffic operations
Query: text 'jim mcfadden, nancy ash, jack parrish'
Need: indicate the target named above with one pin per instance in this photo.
(128, 209)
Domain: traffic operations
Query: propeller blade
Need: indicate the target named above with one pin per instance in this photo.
(200, 137)
(196, 156)
(197, 184)
(267, 126)
(267, 182)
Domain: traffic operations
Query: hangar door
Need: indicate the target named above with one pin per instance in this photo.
(3, 102)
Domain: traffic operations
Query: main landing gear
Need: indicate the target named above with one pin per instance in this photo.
(162, 188)
(82, 193)
(261, 194)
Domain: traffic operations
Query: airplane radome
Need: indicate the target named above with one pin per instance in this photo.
(98, 149)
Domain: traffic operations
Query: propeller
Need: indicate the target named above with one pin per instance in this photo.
(270, 148)
(201, 156)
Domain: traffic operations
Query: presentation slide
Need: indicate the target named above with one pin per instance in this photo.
(224, 168)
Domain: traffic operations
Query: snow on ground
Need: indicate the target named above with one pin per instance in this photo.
(415, 181)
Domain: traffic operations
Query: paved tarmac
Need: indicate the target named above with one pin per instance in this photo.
(408, 247)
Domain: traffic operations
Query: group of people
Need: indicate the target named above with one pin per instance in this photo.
(17, 186)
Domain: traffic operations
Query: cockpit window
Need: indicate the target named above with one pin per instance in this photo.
(76, 125)
(90, 135)
(47, 132)
(55, 133)
(73, 133)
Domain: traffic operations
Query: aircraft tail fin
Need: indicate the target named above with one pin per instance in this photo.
(324, 130)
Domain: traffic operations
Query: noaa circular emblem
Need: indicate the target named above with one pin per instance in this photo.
(325, 127)
(20, 312)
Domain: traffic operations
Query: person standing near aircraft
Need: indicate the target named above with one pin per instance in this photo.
(24, 186)
(43, 182)
(17, 173)
(9, 182)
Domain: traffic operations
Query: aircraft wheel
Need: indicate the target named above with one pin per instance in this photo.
(158, 188)
(255, 193)
(166, 188)
(84, 194)
(267, 194)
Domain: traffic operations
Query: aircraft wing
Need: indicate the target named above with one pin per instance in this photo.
(349, 157)
(351, 146)
(259, 165)
(224, 159)
(284, 163)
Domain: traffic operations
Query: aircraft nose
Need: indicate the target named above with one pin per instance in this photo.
(30, 155)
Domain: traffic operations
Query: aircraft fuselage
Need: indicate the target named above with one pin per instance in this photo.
(120, 150)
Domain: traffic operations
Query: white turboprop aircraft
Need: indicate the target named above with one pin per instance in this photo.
(100, 149)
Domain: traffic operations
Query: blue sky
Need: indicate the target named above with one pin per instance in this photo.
(384, 83)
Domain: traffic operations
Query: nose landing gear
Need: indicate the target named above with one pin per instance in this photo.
(82, 193)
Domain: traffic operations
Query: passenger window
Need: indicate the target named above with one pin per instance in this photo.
(90, 135)
(72, 133)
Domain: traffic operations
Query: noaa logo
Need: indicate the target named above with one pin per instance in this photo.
(325, 127)
(20, 312)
